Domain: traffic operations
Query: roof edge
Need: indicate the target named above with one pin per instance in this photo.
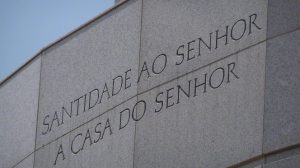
(30, 60)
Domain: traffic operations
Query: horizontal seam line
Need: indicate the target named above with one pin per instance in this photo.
(263, 155)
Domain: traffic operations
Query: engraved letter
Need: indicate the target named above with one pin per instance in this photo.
(186, 93)
(113, 87)
(144, 68)
(159, 102)
(189, 50)
(244, 29)
(200, 84)
(126, 79)
(60, 151)
(163, 68)
(210, 78)
(107, 125)
(121, 114)
(230, 69)
(252, 21)
(136, 118)
(207, 46)
(93, 92)
(168, 98)
(181, 55)
(98, 132)
(72, 143)
(218, 38)
(47, 124)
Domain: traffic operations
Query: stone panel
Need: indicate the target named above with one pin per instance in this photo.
(216, 124)
(90, 72)
(181, 36)
(18, 109)
(283, 16)
(282, 114)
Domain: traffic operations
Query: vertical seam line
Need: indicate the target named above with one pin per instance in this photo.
(38, 107)
(137, 98)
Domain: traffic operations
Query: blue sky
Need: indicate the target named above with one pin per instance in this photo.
(29, 25)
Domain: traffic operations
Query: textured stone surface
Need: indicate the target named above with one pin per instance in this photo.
(27, 163)
(18, 109)
(88, 60)
(291, 162)
(176, 26)
(282, 114)
(251, 164)
(218, 128)
(283, 16)
(113, 149)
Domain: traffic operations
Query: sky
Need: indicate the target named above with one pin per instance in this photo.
(27, 26)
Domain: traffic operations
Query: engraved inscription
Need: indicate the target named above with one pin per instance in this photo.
(204, 82)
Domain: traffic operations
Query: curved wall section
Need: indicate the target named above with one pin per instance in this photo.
(158, 83)
(18, 108)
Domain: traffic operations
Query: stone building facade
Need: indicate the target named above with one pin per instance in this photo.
(161, 84)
